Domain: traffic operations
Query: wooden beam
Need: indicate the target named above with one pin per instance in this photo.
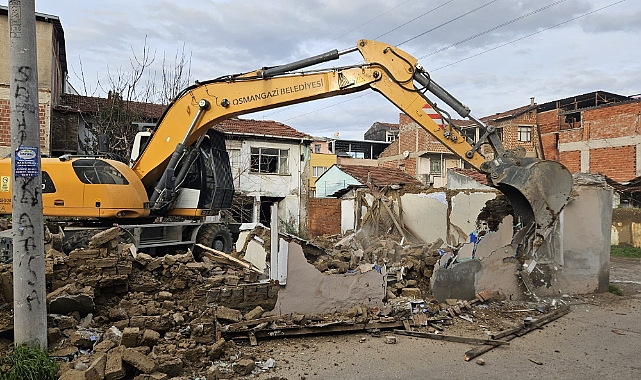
(294, 331)
(451, 338)
(242, 263)
(519, 331)
(251, 322)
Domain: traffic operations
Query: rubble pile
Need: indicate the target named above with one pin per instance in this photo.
(409, 267)
(115, 313)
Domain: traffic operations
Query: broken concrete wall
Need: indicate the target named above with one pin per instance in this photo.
(574, 260)
(586, 225)
(429, 215)
(309, 291)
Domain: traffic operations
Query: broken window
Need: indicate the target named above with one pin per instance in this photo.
(317, 171)
(571, 120)
(270, 160)
(525, 133)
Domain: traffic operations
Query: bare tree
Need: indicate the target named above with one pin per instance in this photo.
(134, 96)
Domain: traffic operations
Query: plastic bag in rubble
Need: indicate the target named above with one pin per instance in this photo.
(113, 334)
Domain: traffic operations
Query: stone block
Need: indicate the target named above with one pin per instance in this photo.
(217, 349)
(150, 338)
(130, 336)
(114, 368)
(244, 367)
(170, 365)
(411, 293)
(138, 360)
(103, 263)
(254, 313)
(105, 236)
(96, 370)
(84, 254)
(226, 314)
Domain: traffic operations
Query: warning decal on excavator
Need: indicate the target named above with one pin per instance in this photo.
(435, 116)
(5, 180)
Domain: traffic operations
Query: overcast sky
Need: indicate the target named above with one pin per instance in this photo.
(599, 51)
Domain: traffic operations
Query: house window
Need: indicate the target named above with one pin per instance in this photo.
(234, 158)
(390, 136)
(317, 148)
(469, 133)
(317, 171)
(356, 154)
(270, 160)
(435, 166)
(525, 133)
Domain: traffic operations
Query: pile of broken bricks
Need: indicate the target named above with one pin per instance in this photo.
(142, 317)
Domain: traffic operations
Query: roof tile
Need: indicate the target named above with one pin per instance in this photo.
(260, 127)
(379, 176)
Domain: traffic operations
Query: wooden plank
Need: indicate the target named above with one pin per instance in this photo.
(285, 332)
(252, 339)
(257, 321)
(393, 217)
(471, 354)
(406, 325)
(451, 338)
(242, 263)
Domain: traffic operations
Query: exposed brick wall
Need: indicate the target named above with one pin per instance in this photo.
(5, 120)
(5, 123)
(618, 163)
(571, 160)
(614, 121)
(324, 216)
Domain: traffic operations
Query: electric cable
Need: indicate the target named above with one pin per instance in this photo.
(529, 35)
(494, 28)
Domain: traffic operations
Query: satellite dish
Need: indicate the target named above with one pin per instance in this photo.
(406, 154)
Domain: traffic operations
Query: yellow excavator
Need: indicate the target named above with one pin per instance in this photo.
(181, 168)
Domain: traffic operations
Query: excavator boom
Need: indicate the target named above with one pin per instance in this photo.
(538, 189)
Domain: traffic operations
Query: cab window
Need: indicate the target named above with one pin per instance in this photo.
(94, 172)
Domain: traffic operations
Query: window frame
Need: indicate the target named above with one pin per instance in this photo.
(524, 130)
(261, 159)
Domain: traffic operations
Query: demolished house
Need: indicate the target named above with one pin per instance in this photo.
(417, 261)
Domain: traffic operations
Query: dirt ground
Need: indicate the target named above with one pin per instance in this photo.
(599, 338)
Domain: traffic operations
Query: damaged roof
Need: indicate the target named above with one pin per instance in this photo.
(475, 175)
(508, 114)
(262, 128)
(93, 105)
(378, 175)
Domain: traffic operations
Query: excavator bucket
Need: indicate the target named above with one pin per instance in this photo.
(537, 189)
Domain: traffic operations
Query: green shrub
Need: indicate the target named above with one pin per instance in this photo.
(28, 363)
(614, 290)
(625, 251)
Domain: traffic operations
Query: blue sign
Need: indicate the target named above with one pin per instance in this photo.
(26, 161)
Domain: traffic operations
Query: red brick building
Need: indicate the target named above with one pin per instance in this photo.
(598, 132)
(424, 157)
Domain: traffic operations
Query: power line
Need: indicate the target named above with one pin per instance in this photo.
(367, 22)
(494, 28)
(414, 19)
(448, 22)
(530, 35)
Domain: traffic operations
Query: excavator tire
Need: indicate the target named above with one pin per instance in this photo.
(216, 236)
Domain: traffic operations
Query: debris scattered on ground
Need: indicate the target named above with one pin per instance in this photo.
(115, 313)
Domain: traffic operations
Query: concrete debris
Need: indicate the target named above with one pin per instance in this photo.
(117, 315)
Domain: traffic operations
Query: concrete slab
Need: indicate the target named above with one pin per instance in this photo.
(255, 254)
(426, 214)
(466, 207)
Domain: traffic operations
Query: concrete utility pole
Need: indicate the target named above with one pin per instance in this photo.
(29, 292)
